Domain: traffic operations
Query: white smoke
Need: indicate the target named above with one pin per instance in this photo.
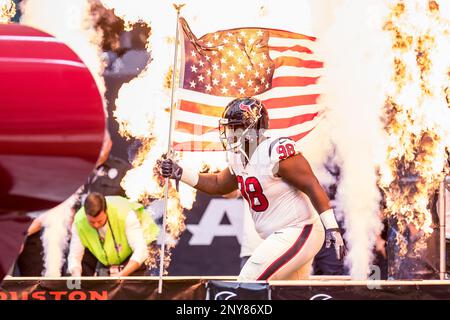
(210, 16)
(357, 66)
(69, 21)
(56, 223)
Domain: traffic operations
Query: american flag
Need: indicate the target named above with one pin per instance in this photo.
(275, 66)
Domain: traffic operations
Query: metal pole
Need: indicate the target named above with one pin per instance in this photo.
(169, 153)
(442, 223)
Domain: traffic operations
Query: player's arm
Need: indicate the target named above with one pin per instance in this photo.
(292, 167)
(220, 183)
(297, 172)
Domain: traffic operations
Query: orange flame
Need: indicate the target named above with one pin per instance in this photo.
(7, 10)
(417, 118)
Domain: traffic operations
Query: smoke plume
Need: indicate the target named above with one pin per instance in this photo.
(355, 52)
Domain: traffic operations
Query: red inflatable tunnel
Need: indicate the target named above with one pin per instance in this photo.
(52, 124)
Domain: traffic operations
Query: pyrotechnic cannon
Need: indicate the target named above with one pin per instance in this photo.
(425, 257)
(444, 199)
(413, 253)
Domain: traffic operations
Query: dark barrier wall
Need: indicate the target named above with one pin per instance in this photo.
(101, 290)
(385, 292)
(225, 290)
(198, 289)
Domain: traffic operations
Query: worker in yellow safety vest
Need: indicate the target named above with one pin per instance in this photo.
(116, 231)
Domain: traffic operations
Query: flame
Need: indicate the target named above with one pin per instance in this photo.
(417, 117)
(8, 10)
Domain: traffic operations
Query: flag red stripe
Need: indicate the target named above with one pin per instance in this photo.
(301, 135)
(201, 108)
(288, 122)
(297, 48)
(296, 62)
(198, 146)
(283, 123)
(274, 103)
(294, 81)
(217, 146)
(289, 35)
(291, 101)
(192, 128)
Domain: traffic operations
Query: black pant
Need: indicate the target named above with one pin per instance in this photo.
(326, 262)
(102, 270)
(30, 262)
(447, 253)
(88, 264)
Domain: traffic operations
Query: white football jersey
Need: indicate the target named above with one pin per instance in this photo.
(274, 203)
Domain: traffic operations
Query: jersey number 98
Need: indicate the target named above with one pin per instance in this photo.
(286, 151)
(252, 191)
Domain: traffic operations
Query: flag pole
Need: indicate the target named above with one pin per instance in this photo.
(177, 7)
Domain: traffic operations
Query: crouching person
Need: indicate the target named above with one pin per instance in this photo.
(116, 231)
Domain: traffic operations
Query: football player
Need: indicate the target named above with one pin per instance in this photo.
(279, 186)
